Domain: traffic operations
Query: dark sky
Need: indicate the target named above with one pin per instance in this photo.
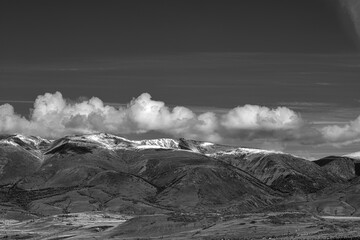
(40, 31)
(75, 46)
(201, 53)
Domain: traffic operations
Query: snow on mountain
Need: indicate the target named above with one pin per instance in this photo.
(31, 144)
(161, 143)
(24, 141)
(32, 140)
(213, 150)
(8, 142)
(245, 151)
(102, 140)
(113, 142)
(105, 140)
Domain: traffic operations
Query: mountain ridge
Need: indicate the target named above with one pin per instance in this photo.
(176, 181)
(189, 178)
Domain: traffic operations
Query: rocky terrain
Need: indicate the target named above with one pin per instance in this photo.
(106, 186)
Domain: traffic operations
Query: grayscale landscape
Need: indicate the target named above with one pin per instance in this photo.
(180, 119)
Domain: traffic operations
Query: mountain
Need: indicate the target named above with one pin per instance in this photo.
(103, 171)
(161, 187)
(202, 147)
(356, 157)
(187, 179)
(342, 167)
(19, 157)
(161, 143)
(281, 171)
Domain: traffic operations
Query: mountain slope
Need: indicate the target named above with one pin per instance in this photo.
(284, 172)
(19, 157)
(342, 167)
(187, 179)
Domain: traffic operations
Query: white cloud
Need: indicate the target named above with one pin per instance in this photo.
(253, 117)
(148, 114)
(53, 116)
(10, 121)
(344, 134)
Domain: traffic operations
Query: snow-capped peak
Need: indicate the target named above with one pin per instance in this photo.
(160, 143)
(113, 142)
(108, 140)
(21, 140)
(102, 140)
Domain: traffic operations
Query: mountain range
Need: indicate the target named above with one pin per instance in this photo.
(107, 173)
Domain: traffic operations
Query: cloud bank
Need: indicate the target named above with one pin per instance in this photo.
(53, 116)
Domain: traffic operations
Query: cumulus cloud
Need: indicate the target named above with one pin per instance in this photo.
(255, 122)
(53, 116)
(253, 117)
(342, 134)
(10, 121)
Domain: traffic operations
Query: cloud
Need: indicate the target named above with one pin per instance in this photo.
(342, 134)
(256, 122)
(10, 121)
(53, 116)
(253, 117)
